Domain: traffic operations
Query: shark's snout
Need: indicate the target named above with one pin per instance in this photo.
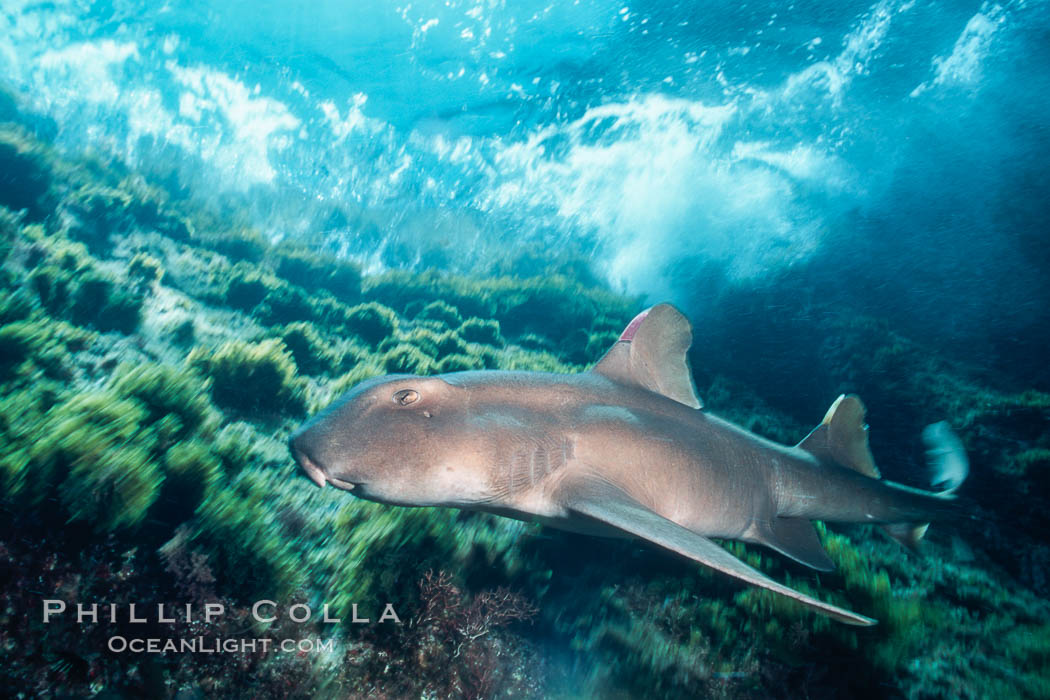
(313, 471)
(299, 446)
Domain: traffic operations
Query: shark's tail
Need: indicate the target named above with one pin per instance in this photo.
(949, 467)
(842, 439)
(946, 456)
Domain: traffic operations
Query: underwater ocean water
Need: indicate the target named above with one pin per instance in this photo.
(216, 218)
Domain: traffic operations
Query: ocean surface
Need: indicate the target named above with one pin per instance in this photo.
(666, 142)
(839, 195)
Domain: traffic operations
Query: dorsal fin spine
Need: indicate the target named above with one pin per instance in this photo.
(632, 327)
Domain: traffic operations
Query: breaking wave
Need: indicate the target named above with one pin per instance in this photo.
(659, 140)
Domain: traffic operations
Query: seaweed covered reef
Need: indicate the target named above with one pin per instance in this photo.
(154, 358)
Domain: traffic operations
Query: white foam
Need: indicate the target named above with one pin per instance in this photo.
(85, 70)
(243, 125)
(859, 47)
(656, 183)
(119, 93)
(962, 67)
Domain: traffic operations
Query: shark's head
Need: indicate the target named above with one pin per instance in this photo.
(391, 439)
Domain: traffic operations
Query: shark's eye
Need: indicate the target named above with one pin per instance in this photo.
(406, 396)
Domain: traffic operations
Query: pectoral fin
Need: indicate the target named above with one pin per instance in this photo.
(598, 499)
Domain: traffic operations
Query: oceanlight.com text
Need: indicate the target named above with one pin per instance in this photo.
(205, 645)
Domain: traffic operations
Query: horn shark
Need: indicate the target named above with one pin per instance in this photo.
(625, 450)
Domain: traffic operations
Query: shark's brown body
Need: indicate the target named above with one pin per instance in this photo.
(622, 450)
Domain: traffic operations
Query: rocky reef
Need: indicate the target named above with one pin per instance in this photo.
(154, 358)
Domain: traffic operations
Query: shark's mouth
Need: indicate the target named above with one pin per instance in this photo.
(317, 474)
(340, 484)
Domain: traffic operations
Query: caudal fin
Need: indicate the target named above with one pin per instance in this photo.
(948, 466)
(946, 456)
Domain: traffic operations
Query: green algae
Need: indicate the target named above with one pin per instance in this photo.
(441, 312)
(237, 244)
(484, 331)
(311, 270)
(100, 212)
(459, 362)
(9, 225)
(102, 302)
(406, 359)
(166, 390)
(70, 285)
(99, 448)
(371, 322)
(192, 470)
(311, 353)
(26, 173)
(242, 534)
(247, 285)
(251, 377)
(145, 269)
(39, 344)
(235, 446)
(23, 412)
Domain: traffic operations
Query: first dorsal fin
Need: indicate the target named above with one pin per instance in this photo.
(651, 353)
(842, 437)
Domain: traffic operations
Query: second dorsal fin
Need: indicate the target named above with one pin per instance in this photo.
(651, 353)
(842, 437)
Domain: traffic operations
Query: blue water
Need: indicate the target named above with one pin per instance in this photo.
(895, 152)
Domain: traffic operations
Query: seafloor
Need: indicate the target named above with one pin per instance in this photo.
(155, 356)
